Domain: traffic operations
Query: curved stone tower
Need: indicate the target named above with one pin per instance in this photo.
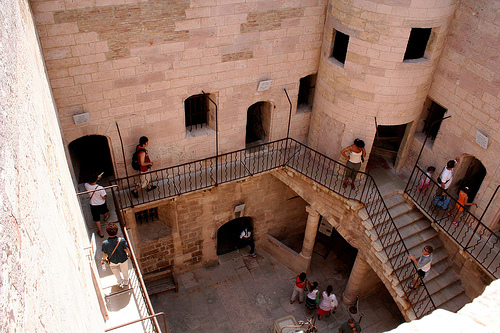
(378, 58)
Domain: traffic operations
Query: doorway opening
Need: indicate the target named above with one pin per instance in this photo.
(90, 154)
(470, 173)
(228, 234)
(258, 124)
(388, 141)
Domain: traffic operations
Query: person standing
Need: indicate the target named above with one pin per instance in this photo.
(463, 198)
(298, 289)
(115, 252)
(311, 296)
(424, 183)
(98, 204)
(144, 165)
(446, 177)
(246, 238)
(356, 156)
(423, 265)
(350, 326)
(328, 303)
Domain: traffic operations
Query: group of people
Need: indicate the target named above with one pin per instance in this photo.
(326, 302)
(444, 181)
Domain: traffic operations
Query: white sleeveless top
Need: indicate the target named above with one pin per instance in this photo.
(355, 157)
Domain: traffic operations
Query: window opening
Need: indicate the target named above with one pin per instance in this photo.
(306, 93)
(196, 111)
(417, 43)
(146, 216)
(436, 112)
(340, 42)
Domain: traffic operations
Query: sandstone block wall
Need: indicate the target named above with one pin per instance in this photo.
(195, 218)
(46, 283)
(466, 84)
(374, 81)
(135, 62)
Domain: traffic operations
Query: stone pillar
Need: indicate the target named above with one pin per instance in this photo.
(310, 234)
(358, 272)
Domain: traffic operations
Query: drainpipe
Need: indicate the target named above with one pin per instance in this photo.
(422, 149)
(216, 138)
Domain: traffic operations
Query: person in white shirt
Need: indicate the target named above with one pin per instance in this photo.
(246, 238)
(446, 177)
(328, 303)
(98, 205)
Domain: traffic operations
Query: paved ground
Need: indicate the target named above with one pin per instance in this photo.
(244, 294)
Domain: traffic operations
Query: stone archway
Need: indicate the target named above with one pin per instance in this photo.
(258, 123)
(229, 233)
(90, 154)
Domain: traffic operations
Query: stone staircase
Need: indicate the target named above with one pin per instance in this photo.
(415, 229)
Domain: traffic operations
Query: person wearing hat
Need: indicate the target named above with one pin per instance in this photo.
(463, 197)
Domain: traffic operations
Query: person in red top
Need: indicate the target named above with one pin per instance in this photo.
(144, 164)
(298, 289)
(463, 197)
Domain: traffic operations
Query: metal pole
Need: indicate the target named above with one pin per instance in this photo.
(289, 121)
(124, 162)
(216, 138)
(423, 145)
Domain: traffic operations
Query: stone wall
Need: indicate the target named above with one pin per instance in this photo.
(135, 62)
(46, 282)
(466, 84)
(195, 218)
(374, 81)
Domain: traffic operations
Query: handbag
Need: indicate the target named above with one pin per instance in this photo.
(107, 259)
(317, 298)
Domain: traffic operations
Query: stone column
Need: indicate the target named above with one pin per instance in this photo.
(310, 234)
(358, 272)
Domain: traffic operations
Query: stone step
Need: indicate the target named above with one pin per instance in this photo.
(447, 293)
(438, 282)
(456, 303)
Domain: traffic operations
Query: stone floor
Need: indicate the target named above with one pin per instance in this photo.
(244, 294)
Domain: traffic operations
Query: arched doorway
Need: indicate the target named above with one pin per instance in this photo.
(91, 154)
(229, 234)
(470, 173)
(258, 123)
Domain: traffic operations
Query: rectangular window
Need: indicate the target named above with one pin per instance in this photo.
(146, 216)
(340, 43)
(417, 43)
(196, 111)
(306, 93)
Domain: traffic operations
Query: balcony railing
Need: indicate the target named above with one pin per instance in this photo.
(243, 163)
(482, 244)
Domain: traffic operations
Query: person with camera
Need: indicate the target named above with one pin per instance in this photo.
(115, 253)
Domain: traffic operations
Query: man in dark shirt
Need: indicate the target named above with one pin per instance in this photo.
(350, 326)
(116, 250)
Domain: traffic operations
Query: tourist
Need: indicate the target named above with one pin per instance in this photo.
(424, 183)
(446, 177)
(98, 204)
(463, 198)
(115, 252)
(298, 289)
(350, 326)
(423, 266)
(328, 303)
(312, 296)
(144, 165)
(356, 156)
(246, 238)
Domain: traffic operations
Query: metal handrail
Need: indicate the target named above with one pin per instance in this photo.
(313, 165)
(467, 234)
(141, 319)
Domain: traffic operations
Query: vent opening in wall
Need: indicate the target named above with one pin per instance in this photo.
(306, 93)
(146, 216)
(339, 47)
(431, 125)
(417, 43)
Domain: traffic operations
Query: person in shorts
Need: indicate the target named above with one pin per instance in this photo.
(423, 266)
(98, 204)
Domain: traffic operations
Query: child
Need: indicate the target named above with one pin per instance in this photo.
(298, 289)
(424, 184)
(463, 197)
(311, 296)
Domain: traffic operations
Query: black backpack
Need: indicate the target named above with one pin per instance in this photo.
(135, 160)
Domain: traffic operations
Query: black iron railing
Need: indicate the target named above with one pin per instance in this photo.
(224, 168)
(470, 234)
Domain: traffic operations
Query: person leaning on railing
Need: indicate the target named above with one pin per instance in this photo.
(356, 156)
